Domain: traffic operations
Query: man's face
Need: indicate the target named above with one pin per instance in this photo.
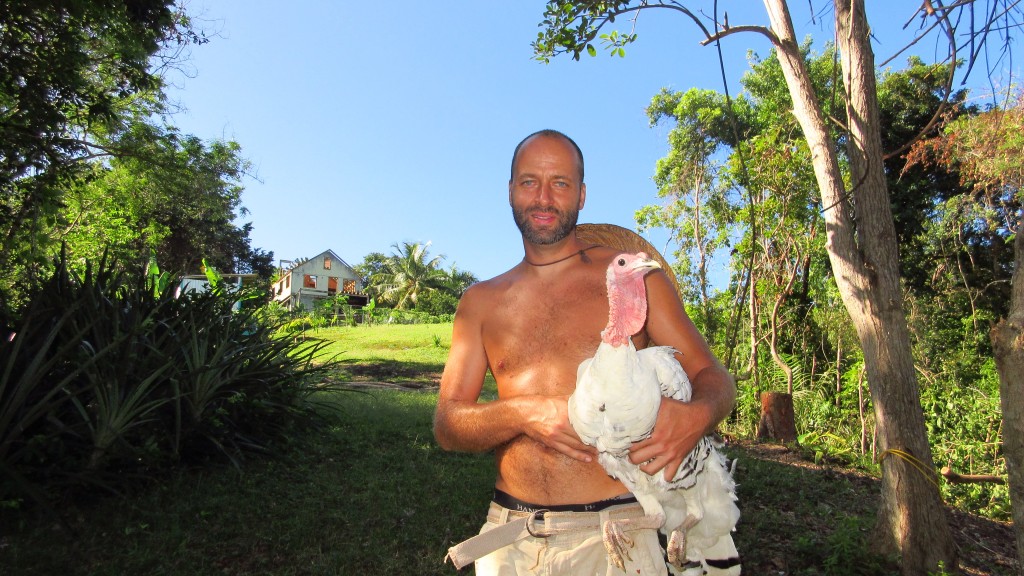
(545, 192)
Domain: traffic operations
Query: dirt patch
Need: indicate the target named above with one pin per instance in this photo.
(985, 546)
(390, 374)
(411, 385)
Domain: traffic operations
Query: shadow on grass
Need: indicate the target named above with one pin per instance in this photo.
(373, 494)
(386, 370)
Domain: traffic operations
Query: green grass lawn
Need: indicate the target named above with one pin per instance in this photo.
(410, 354)
(373, 494)
(420, 344)
(370, 495)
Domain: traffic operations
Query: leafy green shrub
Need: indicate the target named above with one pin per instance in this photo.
(78, 376)
(964, 421)
(108, 376)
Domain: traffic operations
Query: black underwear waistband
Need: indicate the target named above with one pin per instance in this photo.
(512, 503)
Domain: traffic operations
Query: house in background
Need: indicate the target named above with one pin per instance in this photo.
(325, 275)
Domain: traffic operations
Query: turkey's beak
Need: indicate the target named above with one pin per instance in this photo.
(645, 262)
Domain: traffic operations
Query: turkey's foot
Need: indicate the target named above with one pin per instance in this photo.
(618, 543)
(676, 549)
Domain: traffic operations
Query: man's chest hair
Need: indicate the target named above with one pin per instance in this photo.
(556, 320)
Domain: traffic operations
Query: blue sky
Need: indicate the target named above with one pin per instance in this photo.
(374, 123)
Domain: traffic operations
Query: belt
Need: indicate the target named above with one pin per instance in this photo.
(512, 503)
(514, 526)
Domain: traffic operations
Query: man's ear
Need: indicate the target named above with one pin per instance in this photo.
(583, 196)
(509, 192)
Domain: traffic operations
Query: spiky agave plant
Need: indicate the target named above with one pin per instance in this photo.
(109, 376)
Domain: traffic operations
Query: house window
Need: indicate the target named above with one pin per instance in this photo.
(332, 285)
(309, 281)
(349, 286)
(288, 281)
(327, 262)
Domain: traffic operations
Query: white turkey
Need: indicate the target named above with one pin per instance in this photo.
(618, 393)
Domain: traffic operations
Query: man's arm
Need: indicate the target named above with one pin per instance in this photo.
(462, 422)
(681, 424)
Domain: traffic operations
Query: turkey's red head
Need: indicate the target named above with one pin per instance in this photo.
(627, 296)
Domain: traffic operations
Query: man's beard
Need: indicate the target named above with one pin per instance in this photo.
(566, 221)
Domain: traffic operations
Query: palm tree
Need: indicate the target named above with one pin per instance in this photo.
(408, 274)
(456, 281)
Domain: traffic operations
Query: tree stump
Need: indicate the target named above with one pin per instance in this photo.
(777, 419)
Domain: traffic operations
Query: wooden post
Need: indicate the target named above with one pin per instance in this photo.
(777, 419)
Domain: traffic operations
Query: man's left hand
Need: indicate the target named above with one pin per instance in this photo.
(680, 425)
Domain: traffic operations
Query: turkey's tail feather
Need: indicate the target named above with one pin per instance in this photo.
(722, 558)
(718, 498)
(712, 515)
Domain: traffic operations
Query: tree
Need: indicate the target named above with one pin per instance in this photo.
(407, 275)
(862, 250)
(455, 281)
(738, 175)
(909, 100)
(986, 151)
(372, 264)
(865, 262)
(445, 299)
(697, 205)
(408, 280)
(165, 193)
(437, 303)
(66, 67)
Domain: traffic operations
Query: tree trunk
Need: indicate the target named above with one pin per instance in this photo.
(1008, 346)
(911, 520)
(773, 332)
(839, 370)
(777, 419)
(863, 419)
(752, 364)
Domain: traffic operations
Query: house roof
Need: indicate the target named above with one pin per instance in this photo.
(334, 257)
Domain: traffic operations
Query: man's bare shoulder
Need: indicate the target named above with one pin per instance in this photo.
(488, 288)
(484, 295)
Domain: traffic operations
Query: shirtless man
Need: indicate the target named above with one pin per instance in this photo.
(531, 327)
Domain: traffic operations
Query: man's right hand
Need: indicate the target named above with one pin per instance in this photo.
(548, 424)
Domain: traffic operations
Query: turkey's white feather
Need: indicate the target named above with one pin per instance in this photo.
(616, 401)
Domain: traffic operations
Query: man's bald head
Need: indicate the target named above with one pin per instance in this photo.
(547, 133)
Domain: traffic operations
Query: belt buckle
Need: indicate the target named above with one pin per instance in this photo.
(534, 516)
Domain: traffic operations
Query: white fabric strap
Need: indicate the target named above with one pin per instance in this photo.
(469, 551)
(534, 524)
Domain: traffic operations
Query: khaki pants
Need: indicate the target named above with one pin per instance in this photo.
(576, 553)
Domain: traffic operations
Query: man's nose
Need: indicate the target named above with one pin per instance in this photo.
(545, 194)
